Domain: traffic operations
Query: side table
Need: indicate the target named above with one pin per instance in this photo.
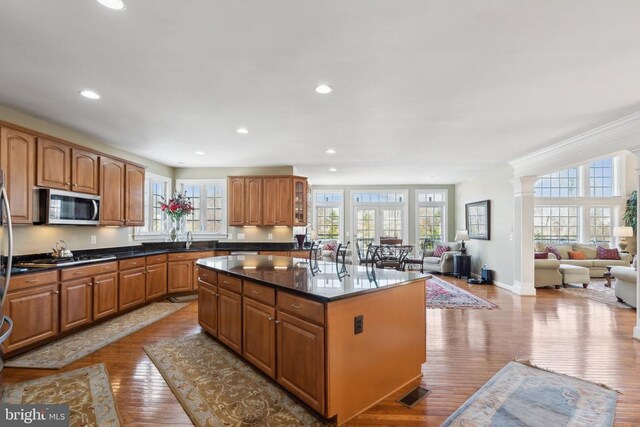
(462, 266)
(608, 276)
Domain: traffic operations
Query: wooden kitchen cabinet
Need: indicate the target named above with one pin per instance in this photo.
(277, 201)
(299, 202)
(253, 202)
(17, 160)
(105, 295)
(301, 356)
(63, 167)
(134, 195)
(208, 307)
(85, 170)
(112, 186)
(156, 280)
(76, 303)
(131, 289)
(236, 201)
(230, 319)
(35, 315)
(54, 165)
(259, 336)
(180, 276)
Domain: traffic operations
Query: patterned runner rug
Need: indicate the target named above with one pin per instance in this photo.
(524, 395)
(596, 291)
(87, 392)
(217, 388)
(67, 350)
(441, 294)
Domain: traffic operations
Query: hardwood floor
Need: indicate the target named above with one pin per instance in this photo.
(465, 348)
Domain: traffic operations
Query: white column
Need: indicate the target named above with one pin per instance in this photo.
(636, 330)
(523, 262)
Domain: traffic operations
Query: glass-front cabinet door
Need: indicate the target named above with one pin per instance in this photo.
(299, 202)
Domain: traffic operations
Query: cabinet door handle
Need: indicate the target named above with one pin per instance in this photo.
(255, 292)
(90, 284)
(32, 281)
(270, 318)
(77, 273)
(296, 306)
(217, 295)
(226, 282)
(97, 283)
(277, 322)
(67, 183)
(106, 268)
(75, 185)
(55, 292)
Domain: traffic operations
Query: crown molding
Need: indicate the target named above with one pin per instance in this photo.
(621, 134)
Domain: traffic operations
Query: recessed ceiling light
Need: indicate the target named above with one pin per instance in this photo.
(242, 130)
(200, 153)
(113, 4)
(324, 89)
(89, 94)
(333, 170)
(330, 151)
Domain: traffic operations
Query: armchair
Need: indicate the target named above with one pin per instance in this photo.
(443, 264)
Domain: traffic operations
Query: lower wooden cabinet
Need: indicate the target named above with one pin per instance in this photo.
(156, 280)
(301, 358)
(208, 307)
(230, 319)
(131, 288)
(259, 336)
(35, 315)
(105, 295)
(180, 276)
(76, 303)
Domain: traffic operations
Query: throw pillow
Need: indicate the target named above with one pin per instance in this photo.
(541, 255)
(554, 251)
(330, 245)
(440, 250)
(577, 255)
(608, 253)
(590, 250)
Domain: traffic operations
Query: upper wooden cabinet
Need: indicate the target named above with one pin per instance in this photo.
(236, 201)
(17, 159)
(267, 200)
(112, 188)
(134, 195)
(63, 167)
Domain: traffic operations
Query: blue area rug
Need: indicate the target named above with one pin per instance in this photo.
(523, 395)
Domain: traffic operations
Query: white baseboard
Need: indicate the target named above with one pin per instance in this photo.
(503, 285)
(636, 332)
(527, 290)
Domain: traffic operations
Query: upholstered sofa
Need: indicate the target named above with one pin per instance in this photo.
(328, 251)
(547, 272)
(597, 267)
(626, 284)
(442, 264)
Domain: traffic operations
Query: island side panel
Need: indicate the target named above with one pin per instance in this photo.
(365, 368)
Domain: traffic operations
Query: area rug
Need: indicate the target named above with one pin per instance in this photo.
(87, 392)
(217, 388)
(183, 298)
(596, 291)
(74, 347)
(441, 294)
(523, 395)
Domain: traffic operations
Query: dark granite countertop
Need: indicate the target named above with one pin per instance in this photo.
(296, 276)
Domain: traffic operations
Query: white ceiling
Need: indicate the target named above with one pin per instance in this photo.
(424, 91)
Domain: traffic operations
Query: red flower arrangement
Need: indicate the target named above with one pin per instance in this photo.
(177, 207)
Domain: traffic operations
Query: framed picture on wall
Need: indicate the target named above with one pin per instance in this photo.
(478, 218)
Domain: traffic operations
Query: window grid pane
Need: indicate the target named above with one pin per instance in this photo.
(600, 224)
(555, 223)
(558, 184)
(214, 209)
(392, 223)
(430, 223)
(366, 226)
(192, 193)
(328, 219)
(601, 178)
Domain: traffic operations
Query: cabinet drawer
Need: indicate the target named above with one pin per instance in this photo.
(180, 256)
(231, 283)
(90, 270)
(128, 264)
(260, 293)
(276, 253)
(208, 276)
(301, 307)
(156, 259)
(28, 280)
(299, 254)
(203, 254)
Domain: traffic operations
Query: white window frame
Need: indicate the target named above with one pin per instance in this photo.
(445, 211)
(180, 183)
(140, 233)
(584, 202)
(340, 205)
(378, 206)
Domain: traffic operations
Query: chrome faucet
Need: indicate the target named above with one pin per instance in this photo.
(189, 239)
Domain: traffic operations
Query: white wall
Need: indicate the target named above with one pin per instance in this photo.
(497, 253)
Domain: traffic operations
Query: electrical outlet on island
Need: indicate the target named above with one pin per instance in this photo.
(94, 240)
(240, 236)
(270, 236)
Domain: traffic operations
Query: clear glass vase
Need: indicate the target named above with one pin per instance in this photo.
(176, 229)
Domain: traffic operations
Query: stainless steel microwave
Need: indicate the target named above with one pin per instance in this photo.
(66, 207)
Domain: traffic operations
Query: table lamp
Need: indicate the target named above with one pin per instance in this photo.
(623, 233)
(463, 236)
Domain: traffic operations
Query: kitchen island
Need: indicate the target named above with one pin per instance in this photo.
(340, 338)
